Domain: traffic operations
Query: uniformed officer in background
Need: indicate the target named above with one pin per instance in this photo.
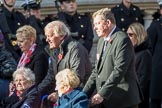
(126, 13)
(80, 25)
(10, 21)
(33, 15)
(155, 36)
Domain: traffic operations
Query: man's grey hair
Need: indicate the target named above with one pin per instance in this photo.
(58, 28)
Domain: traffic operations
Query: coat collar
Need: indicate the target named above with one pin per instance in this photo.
(72, 94)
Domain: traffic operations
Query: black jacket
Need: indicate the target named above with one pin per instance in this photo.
(124, 16)
(80, 27)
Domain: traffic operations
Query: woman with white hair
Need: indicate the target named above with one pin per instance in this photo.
(70, 95)
(24, 95)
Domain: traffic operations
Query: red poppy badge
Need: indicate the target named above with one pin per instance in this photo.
(60, 56)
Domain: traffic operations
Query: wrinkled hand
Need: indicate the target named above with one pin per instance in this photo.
(97, 99)
(53, 97)
(12, 88)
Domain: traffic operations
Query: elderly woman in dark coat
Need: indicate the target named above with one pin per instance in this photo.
(34, 56)
(23, 96)
(138, 36)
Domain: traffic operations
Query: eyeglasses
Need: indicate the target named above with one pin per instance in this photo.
(130, 34)
(19, 80)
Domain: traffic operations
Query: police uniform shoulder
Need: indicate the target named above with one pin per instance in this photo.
(17, 12)
(82, 16)
(135, 8)
(116, 8)
(157, 20)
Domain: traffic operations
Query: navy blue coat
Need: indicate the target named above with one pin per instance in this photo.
(155, 31)
(124, 16)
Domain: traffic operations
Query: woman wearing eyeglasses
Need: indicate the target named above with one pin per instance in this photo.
(23, 96)
(138, 37)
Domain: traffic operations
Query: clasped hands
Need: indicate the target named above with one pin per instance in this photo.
(97, 99)
(53, 97)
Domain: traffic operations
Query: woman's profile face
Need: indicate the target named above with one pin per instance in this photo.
(24, 43)
(132, 36)
(61, 88)
(21, 83)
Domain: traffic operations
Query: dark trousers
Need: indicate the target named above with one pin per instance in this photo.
(134, 106)
(155, 103)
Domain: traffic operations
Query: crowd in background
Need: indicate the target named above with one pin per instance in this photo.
(44, 63)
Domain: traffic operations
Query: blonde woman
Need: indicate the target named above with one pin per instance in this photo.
(33, 55)
(71, 96)
(138, 37)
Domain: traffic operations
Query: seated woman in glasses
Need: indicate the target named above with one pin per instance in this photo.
(23, 96)
(138, 37)
(70, 95)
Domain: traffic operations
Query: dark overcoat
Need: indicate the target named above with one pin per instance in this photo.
(155, 31)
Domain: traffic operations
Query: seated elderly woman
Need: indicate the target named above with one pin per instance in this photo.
(70, 95)
(24, 96)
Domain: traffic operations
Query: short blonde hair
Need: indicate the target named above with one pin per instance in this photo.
(68, 77)
(105, 14)
(26, 72)
(58, 28)
(139, 32)
(26, 32)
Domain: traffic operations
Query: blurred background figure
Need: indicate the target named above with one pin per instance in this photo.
(33, 16)
(154, 33)
(23, 96)
(138, 36)
(126, 13)
(80, 25)
(7, 66)
(71, 95)
(33, 55)
(11, 20)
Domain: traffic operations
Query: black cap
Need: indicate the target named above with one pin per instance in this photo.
(160, 3)
(32, 5)
(61, 1)
(160, 6)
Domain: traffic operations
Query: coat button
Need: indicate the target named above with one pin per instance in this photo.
(82, 36)
(81, 26)
(136, 19)
(18, 24)
(122, 19)
(123, 29)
